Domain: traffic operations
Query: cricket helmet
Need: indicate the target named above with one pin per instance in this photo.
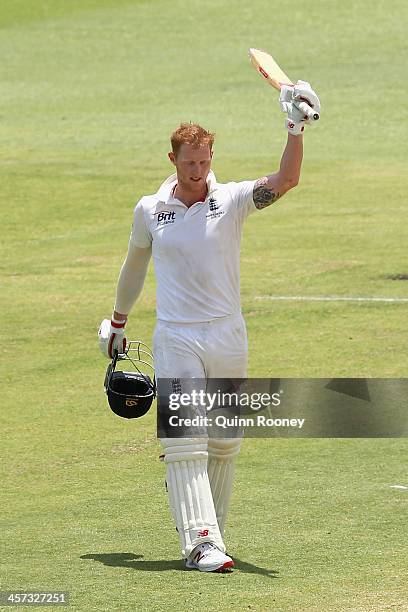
(131, 393)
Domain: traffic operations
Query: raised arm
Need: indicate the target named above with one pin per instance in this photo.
(269, 188)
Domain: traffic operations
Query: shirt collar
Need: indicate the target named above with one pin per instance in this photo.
(165, 190)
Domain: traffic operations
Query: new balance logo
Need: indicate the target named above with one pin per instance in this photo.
(203, 533)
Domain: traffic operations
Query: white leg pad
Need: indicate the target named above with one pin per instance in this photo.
(190, 495)
(221, 465)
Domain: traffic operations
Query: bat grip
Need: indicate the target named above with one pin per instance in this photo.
(308, 111)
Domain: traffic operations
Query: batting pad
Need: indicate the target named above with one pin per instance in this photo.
(221, 465)
(190, 494)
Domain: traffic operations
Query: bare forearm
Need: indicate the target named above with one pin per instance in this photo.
(291, 161)
(270, 188)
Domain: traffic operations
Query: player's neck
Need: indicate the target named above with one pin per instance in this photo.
(189, 197)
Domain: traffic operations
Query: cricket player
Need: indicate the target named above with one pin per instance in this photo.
(192, 226)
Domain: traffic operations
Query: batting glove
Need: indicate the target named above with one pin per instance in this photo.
(290, 98)
(111, 337)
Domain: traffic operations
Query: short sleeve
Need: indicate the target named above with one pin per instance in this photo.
(140, 235)
(242, 194)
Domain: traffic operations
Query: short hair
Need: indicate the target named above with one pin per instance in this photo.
(192, 134)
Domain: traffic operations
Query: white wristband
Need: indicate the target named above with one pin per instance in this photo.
(295, 128)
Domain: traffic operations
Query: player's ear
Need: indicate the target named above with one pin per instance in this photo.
(172, 157)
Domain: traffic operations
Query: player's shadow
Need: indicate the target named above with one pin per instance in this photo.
(132, 561)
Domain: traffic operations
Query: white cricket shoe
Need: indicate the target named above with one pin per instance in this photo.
(207, 557)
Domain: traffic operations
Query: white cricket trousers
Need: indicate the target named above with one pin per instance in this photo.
(199, 471)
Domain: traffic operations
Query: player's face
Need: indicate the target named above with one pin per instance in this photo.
(193, 165)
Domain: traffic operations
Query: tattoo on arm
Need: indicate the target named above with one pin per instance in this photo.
(263, 195)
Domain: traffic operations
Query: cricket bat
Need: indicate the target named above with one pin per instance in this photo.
(269, 69)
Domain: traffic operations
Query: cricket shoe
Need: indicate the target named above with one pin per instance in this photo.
(207, 557)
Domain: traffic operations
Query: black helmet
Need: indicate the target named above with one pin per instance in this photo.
(130, 394)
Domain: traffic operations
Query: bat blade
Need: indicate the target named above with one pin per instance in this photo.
(268, 68)
(273, 73)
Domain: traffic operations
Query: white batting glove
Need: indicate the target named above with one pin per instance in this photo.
(111, 337)
(290, 98)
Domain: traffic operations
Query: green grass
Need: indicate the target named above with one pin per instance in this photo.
(90, 92)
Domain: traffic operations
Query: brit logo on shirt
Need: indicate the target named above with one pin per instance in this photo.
(164, 217)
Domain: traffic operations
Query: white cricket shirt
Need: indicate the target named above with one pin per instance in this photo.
(195, 250)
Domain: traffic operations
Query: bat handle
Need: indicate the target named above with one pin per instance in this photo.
(308, 111)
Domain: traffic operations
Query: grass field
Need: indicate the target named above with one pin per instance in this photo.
(90, 91)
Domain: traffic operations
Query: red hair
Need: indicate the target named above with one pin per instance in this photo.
(192, 134)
